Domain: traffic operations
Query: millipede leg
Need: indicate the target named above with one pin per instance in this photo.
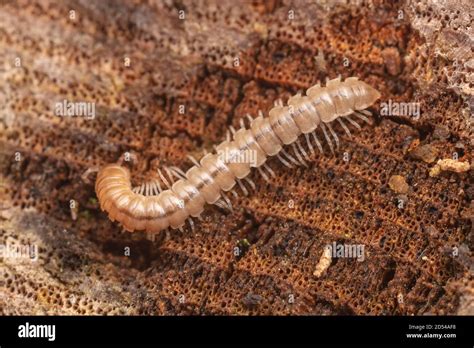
(318, 143)
(191, 223)
(163, 179)
(250, 182)
(323, 127)
(300, 147)
(193, 160)
(242, 187)
(290, 157)
(362, 117)
(89, 171)
(236, 195)
(147, 189)
(354, 123)
(181, 172)
(270, 170)
(219, 204)
(178, 173)
(366, 112)
(302, 161)
(249, 118)
(262, 173)
(154, 189)
(308, 141)
(170, 175)
(232, 130)
(284, 161)
(343, 125)
(227, 200)
(336, 139)
(150, 188)
(158, 186)
(167, 233)
(278, 102)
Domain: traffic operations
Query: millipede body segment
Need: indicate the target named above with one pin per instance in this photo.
(152, 209)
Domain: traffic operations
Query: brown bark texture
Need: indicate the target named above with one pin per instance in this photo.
(139, 61)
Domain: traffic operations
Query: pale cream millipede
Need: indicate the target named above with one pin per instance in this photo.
(149, 207)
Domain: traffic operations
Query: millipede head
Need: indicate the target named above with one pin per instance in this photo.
(368, 96)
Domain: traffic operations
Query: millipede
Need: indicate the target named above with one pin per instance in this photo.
(150, 207)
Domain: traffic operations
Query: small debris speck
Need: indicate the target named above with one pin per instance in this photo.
(398, 184)
(427, 153)
(450, 165)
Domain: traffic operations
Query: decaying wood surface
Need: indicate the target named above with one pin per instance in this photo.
(166, 79)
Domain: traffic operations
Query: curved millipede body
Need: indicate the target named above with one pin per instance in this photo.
(150, 208)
